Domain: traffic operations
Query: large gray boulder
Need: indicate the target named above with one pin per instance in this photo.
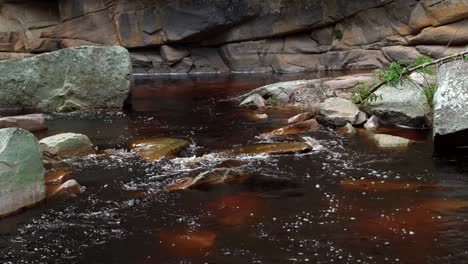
(84, 78)
(404, 104)
(451, 103)
(21, 170)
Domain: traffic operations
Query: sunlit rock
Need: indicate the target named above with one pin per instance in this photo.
(67, 145)
(388, 141)
(70, 187)
(237, 209)
(274, 149)
(58, 175)
(155, 149)
(310, 125)
(384, 185)
(21, 170)
(187, 243)
(253, 101)
(372, 123)
(338, 111)
(33, 122)
(300, 118)
(254, 116)
(347, 130)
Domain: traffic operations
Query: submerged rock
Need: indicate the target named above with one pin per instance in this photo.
(70, 187)
(297, 128)
(58, 175)
(187, 243)
(158, 148)
(405, 104)
(338, 111)
(209, 178)
(67, 145)
(275, 149)
(372, 123)
(33, 122)
(451, 105)
(83, 78)
(389, 141)
(21, 171)
(300, 118)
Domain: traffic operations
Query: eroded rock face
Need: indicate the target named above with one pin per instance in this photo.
(84, 78)
(21, 170)
(450, 102)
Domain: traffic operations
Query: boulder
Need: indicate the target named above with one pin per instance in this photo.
(70, 187)
(338, 111)
(84, 78)
(172, 55)
(310, 125)
(372, 123)
(253, 101)
(300, 118)
(361, 118)
(274, 149)
(34, 122)
(67, 145)
(389, 141)
(405, 105)
(21, 170)
(155, 149)
(450, 102)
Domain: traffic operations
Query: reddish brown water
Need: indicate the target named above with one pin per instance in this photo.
(407, 206)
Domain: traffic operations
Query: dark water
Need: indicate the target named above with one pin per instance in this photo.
(293, 209)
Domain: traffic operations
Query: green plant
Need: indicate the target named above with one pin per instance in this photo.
(273, 101)
(393, 75)
(430, 91)
(421, 61)
(337, 34)
(363, 96)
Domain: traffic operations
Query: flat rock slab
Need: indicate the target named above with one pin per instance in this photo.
(33, 122)
(84, 78)
(310, 125)
(67, 145)
(158, 148)
(275, 149)
(338, 111)
(389, 141)
(21, 170)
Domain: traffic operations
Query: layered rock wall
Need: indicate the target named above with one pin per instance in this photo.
(192, 36)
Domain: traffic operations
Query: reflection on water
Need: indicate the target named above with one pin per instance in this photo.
(346, 201)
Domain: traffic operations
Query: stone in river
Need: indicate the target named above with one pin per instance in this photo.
(21, 170)
(210, 178)
(58, 175)
(187, 243)
(388, 141)
(253, 101)
(70, 187)
(67, 145)
(155, 149)
(33, 122)
(275, 149)
(372, 123)
(347, 130)
(310, 125)
(338, 112)
(300, 118)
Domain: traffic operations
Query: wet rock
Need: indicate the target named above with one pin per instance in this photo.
(21, 171)
(361, 119)
(347, 130)
(34, 122)
(338, 111)
(70, 187)
(187, 243)
(58, 175)
(274, 149)
(67, 145)
(156, 149)
(381, 185)
(310, 125)
(372, 123)
(257, 116)
(405, 105)
(84, 78)
(388, 141)
(210, 178)
(253, 101)
(300, 118)
(450, 105)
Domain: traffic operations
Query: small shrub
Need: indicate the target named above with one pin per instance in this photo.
(421, 61)
(273, 101)
(363, 96)
(338, 34)
(430, 91)
(393, 75)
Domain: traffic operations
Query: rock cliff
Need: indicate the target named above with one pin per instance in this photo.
(190, 36)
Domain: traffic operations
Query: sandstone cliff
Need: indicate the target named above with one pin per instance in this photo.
(181, 36)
